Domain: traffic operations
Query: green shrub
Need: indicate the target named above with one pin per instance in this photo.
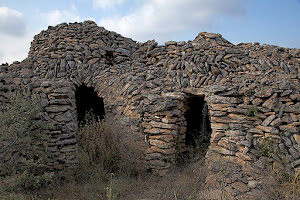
(250, 112)
(23, 146)
(266, 148)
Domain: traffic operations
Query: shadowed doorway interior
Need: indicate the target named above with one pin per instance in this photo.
(88, 101)
(198, 131)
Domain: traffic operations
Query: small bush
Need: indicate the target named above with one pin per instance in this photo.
(104, 145)
(266, 148)
(103, 149)
(23, 146)
(97, 150)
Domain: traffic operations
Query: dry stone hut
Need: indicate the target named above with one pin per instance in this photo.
(164, 96)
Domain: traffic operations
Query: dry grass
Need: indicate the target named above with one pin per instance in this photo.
(185, 182)
(180, 183)
(104, 150)
(277, 185)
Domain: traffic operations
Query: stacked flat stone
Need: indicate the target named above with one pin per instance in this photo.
(252, 92)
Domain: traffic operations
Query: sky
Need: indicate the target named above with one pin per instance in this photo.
(274, 22)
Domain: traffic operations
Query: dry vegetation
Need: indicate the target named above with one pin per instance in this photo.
(109, 169)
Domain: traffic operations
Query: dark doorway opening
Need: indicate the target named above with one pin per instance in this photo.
(198, 131)
(87, 100)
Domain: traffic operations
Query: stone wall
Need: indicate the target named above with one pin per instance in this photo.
(252, 92)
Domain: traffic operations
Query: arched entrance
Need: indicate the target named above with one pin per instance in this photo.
(87, 100)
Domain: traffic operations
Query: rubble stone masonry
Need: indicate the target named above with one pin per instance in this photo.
(252, 92)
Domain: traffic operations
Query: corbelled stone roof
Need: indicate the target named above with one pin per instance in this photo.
(145, 86)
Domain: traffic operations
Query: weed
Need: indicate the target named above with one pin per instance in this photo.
(109, 190)
(250, 112)
(266, 148)
(279, 180)
(198, 151)
(296, 185)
